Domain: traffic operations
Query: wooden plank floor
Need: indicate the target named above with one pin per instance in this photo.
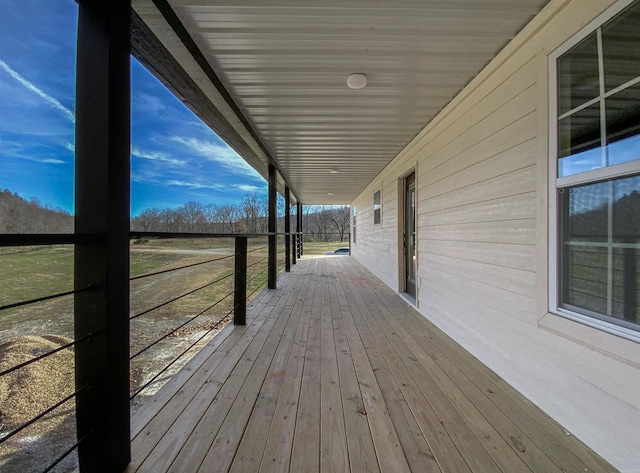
(335, 373)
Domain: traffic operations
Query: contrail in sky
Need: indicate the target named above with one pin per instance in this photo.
(54, 103)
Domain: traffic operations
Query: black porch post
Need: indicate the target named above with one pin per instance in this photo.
(299, 229)
(273, 239)
(240, 284)
(287, 229)
(294, 241)
(102, 215)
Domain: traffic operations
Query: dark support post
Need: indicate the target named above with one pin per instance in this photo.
(287, 229)
(272, 217)
(240, 287)
(294, 241)
(102, 211)
(294, 247)
(299, 229)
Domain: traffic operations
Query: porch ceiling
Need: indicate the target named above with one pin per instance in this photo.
(274, 75)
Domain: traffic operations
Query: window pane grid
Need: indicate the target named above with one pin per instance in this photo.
(598, 103)
(600, 251)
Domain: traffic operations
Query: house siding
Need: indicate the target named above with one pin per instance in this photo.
(482, 243)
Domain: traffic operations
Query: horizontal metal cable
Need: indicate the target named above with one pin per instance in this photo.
(45, 239)
(67, 452)
(41, 415)
(258, 275)
(181, 296)
(182, 325)
(258, 249)
(261, 286)
(157, 375)
(181, 267)
(257, 262)
(47, 298)
(44, 355)
(186, 235)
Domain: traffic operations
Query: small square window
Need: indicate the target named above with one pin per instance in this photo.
(377, 208)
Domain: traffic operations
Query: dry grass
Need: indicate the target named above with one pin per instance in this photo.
(25, 393)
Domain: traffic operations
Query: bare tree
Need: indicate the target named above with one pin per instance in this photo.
(338, 219)
(226, 216)
(249, 205)
(147, 221)
(192, 214)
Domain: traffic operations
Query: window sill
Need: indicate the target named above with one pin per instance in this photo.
(611, 340)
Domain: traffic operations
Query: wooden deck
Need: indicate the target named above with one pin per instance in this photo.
(336, 373)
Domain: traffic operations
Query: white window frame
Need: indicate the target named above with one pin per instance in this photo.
(555, 182)
(378, 208)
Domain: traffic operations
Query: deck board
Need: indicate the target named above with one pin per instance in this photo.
(335, 373)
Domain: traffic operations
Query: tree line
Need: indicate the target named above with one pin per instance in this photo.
(322, 223)
(18, 215)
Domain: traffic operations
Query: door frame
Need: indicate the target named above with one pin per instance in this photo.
(402, 264)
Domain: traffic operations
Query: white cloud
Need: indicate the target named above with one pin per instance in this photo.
(219, 153)
(194, 185)
(249, 188)
(155, 156)
(52, 102)
(149, 103)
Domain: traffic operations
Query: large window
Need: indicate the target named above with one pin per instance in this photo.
(598, 173)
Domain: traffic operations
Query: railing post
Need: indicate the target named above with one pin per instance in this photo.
(287, 229)
(272, 220)
(294, 247)
(240, 286)
(299, 228)
(102, 203)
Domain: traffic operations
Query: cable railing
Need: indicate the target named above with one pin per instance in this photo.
(33, 405)
(236, 273)
(199, 309)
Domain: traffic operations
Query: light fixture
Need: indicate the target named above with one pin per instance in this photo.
(330, 193)
(357, 81)
(334, 171)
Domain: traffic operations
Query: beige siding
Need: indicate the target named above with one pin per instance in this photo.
(482, 218)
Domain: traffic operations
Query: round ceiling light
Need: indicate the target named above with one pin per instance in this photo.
(357, 81)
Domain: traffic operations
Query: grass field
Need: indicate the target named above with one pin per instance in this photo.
(31, 273)
(321, 247)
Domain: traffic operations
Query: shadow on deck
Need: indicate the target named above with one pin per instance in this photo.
(335, 373)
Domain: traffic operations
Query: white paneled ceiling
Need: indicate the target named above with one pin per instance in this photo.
(284, 65)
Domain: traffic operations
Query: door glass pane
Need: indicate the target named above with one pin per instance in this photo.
(578, 77)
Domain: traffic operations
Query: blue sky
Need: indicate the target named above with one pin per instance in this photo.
(175, 158)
